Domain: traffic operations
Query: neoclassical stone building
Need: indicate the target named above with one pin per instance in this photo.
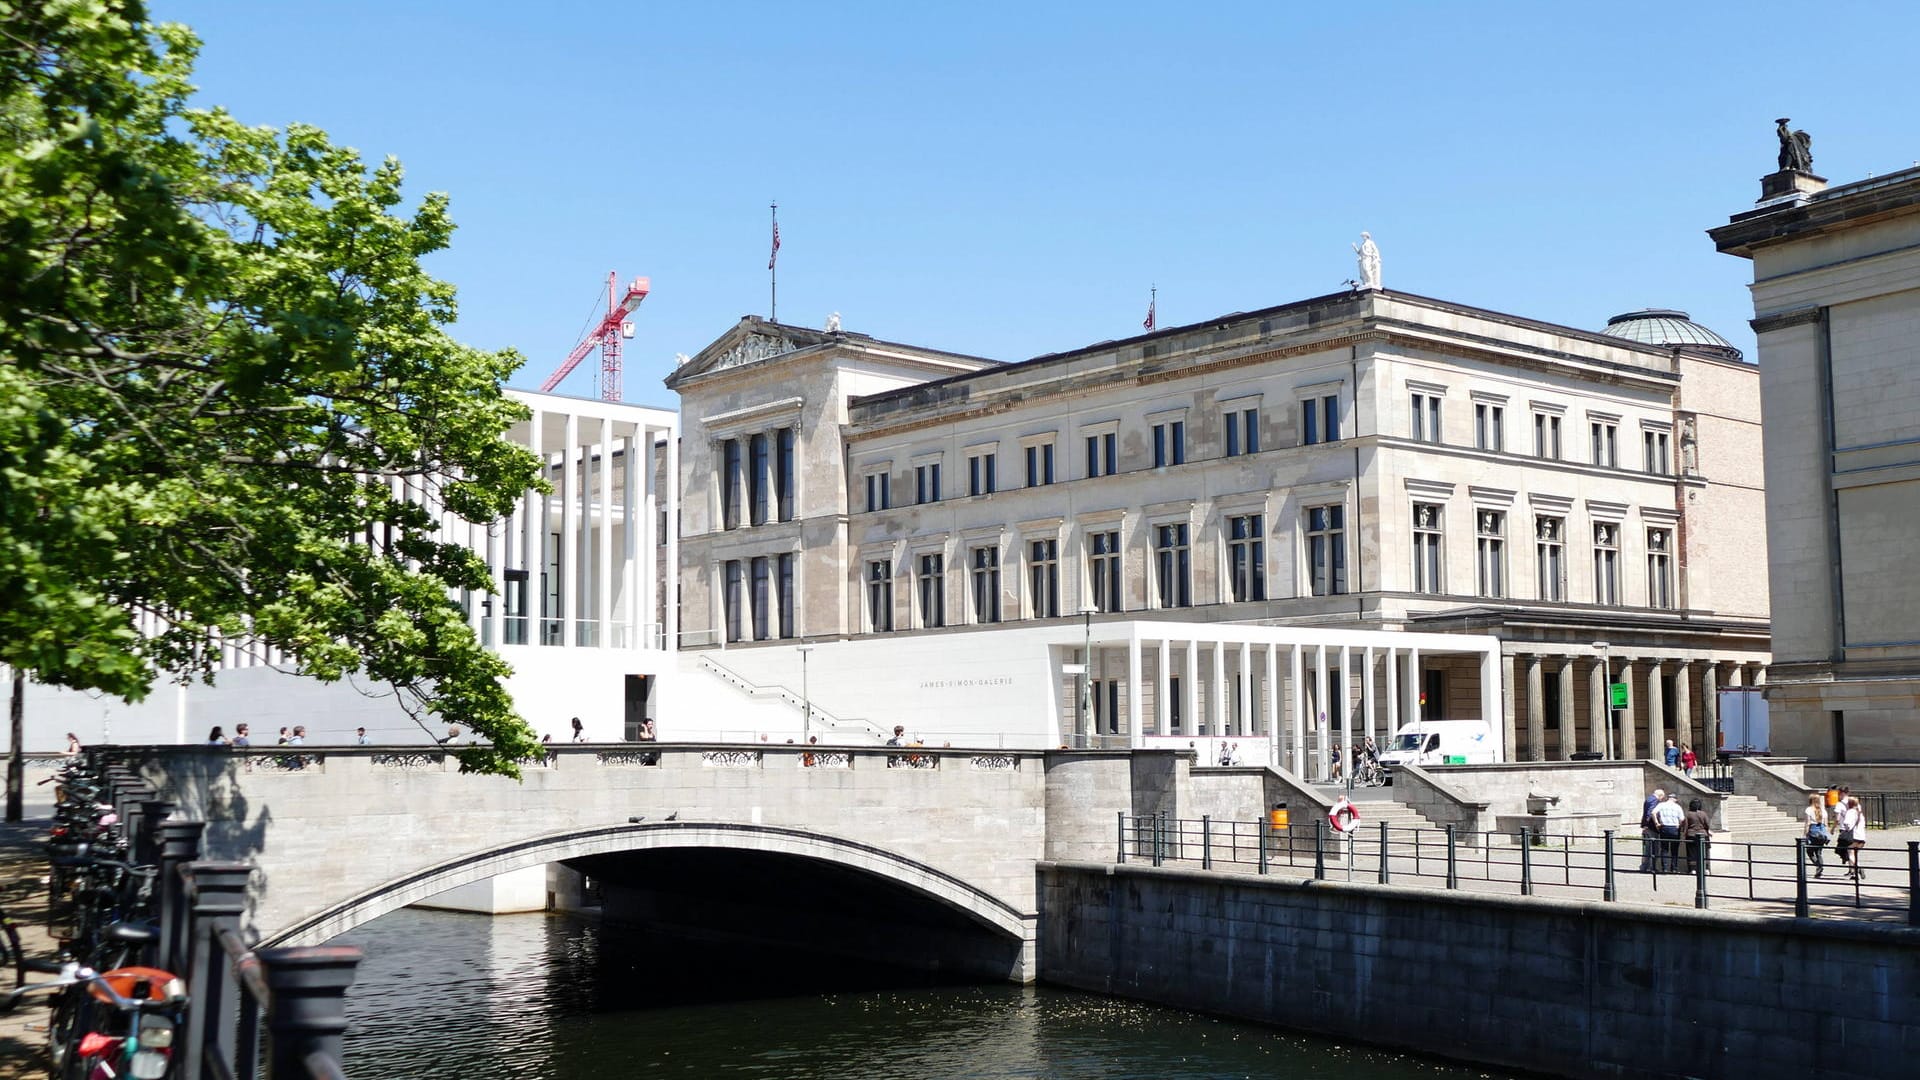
(1365, 460)
(1836, 299)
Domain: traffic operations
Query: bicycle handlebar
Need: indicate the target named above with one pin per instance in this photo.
(83, 976)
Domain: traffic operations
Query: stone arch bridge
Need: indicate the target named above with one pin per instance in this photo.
(922, 855)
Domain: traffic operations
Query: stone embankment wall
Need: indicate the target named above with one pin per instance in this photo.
(1574, 989)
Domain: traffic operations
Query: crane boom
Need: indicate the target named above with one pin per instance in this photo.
(607, 334)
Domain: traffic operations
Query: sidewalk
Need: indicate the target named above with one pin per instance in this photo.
(23, 894)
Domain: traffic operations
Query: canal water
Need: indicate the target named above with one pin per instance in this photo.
(555, 998)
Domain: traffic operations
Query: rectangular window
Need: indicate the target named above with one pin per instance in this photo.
(762, 598)
(1426, 548)
(1550, 557)
(1489, 426)
(880, 595)
(1546, 436)
(732, 483)
(1169, 443)
(1172, 566)
(926, 483)
(986, 584)
(1655, 447)
(933, 590)
(1247, 557)
(783, 473)
(735, 587)
(1040, 465)
(879, 497)
(1490, 550)
(1107, 695)
(783, 582)
(1426, 417)
(1243, 431)
(1606, 443)
(1102, 456)
(1173, 705)
(1327, 550)
(1043, 578)
(1320, 420)
(980, 478)
(1606, 564)
(757, 454)
(1659, 568)
(1103, 569)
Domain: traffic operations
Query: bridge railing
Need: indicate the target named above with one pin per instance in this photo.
(296, 995)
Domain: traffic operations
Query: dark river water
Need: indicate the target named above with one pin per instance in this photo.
(449, 995)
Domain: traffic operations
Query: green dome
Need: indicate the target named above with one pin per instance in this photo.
(1669, 329)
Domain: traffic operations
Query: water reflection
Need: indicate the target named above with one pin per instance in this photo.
(442, 994)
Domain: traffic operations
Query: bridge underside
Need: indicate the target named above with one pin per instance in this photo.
(798, 906)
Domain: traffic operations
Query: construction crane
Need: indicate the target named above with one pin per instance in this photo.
(607, 334)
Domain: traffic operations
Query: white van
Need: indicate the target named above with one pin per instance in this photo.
(1441, 742)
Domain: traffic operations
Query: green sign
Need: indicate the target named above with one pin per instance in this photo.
(1617, 695)
(1455, 759)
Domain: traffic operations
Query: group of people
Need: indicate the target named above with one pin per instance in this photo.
(1670, 834)
(1835, 818)
(293, 736)
(1682, 757)
(1359, 758)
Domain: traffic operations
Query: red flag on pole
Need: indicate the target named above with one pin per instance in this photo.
(776, 246)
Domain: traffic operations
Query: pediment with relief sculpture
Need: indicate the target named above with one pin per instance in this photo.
(745, 344)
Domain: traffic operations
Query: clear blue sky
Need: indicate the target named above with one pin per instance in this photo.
(1009, 179)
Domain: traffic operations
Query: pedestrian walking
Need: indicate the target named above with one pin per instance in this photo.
(242, 735)
(1649, 830)
(1815, 830)
(579, 730)
(1688, 759)
(1673, 755)
(1853, 830)
(1697, 834)
(217, 737)
(1667, 820)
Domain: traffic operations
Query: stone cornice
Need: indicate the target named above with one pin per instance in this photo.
(1781, 320)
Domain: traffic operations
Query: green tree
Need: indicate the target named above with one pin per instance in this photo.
(228, 401)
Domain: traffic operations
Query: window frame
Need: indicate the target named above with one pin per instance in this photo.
(1246, 550)
(1429, 548)
(1331, 538)
(1490, 553)
(1172, 564)
(880, 595)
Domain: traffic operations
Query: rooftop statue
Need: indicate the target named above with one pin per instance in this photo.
(1796, 148)
(1368, 256)
(833, 323)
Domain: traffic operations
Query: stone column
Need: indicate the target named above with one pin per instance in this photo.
(1568, 736)
(1536, 711)
(1656, 713)
(1683, 703)
(1709, 712)
(1511, 749)
(1627, 743)
(1597, 714)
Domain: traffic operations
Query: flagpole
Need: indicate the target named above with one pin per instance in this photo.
(773, 275)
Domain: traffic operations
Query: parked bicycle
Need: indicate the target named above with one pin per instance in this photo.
(126, 1022)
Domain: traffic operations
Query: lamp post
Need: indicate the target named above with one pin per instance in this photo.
(806, 699)
(1606, 689)
(1086, 671)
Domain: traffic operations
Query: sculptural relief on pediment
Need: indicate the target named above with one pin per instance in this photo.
(754, 349)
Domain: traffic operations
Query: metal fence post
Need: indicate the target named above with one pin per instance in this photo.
(1159, 839)
(1526, 861)
(1609, 891)
(1266, 837)
(1800, 877)
(309, 989)
(219, 896)
(1385, 874)
(1913, 883)
(1453, 870)
(1700, 871)
(1123, 837)
(1206, 841)
(179, 845)
(1319, 850)
(146, 845)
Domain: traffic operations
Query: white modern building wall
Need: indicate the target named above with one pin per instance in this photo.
(583, 609)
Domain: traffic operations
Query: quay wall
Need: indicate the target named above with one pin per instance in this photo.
(1568, 988)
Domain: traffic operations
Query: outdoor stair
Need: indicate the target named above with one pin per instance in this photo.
(1748, 818)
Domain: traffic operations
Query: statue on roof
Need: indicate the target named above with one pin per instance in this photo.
(1367, 254)
(1796, 148)
(833, 323)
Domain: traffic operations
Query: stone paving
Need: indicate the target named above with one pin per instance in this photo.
(23, 894)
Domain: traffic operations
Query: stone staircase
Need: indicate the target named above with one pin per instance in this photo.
(1747, 818)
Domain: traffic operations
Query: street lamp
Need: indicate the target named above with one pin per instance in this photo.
(1606, 688)
(806, 699)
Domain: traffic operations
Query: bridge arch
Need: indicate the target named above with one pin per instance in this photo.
(977, 904)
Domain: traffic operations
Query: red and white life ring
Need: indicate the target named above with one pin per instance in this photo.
(1344, 816)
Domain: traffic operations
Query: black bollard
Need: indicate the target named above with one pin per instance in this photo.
(309, 989)
(218, 892)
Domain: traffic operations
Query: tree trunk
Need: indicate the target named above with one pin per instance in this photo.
(16, 756)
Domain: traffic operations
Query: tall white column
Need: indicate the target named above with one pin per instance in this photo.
(1163, 692)
(1274, 731)
(1656, 713)
(1133, 689)
(1345, 698)
(1319, 770)
(641, 526)
(533, 551)
(1217, 693)
(1496, 695)
(1299, 710)
(669, 585)
(603, 590)
(1393, 692)
(569, 532)
(1191, 691)
(1413, 686)
(632, 595)
(1366, 693)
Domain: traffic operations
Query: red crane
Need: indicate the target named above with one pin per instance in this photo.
(608, 335)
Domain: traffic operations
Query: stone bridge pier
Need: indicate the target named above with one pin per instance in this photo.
(916, 855)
